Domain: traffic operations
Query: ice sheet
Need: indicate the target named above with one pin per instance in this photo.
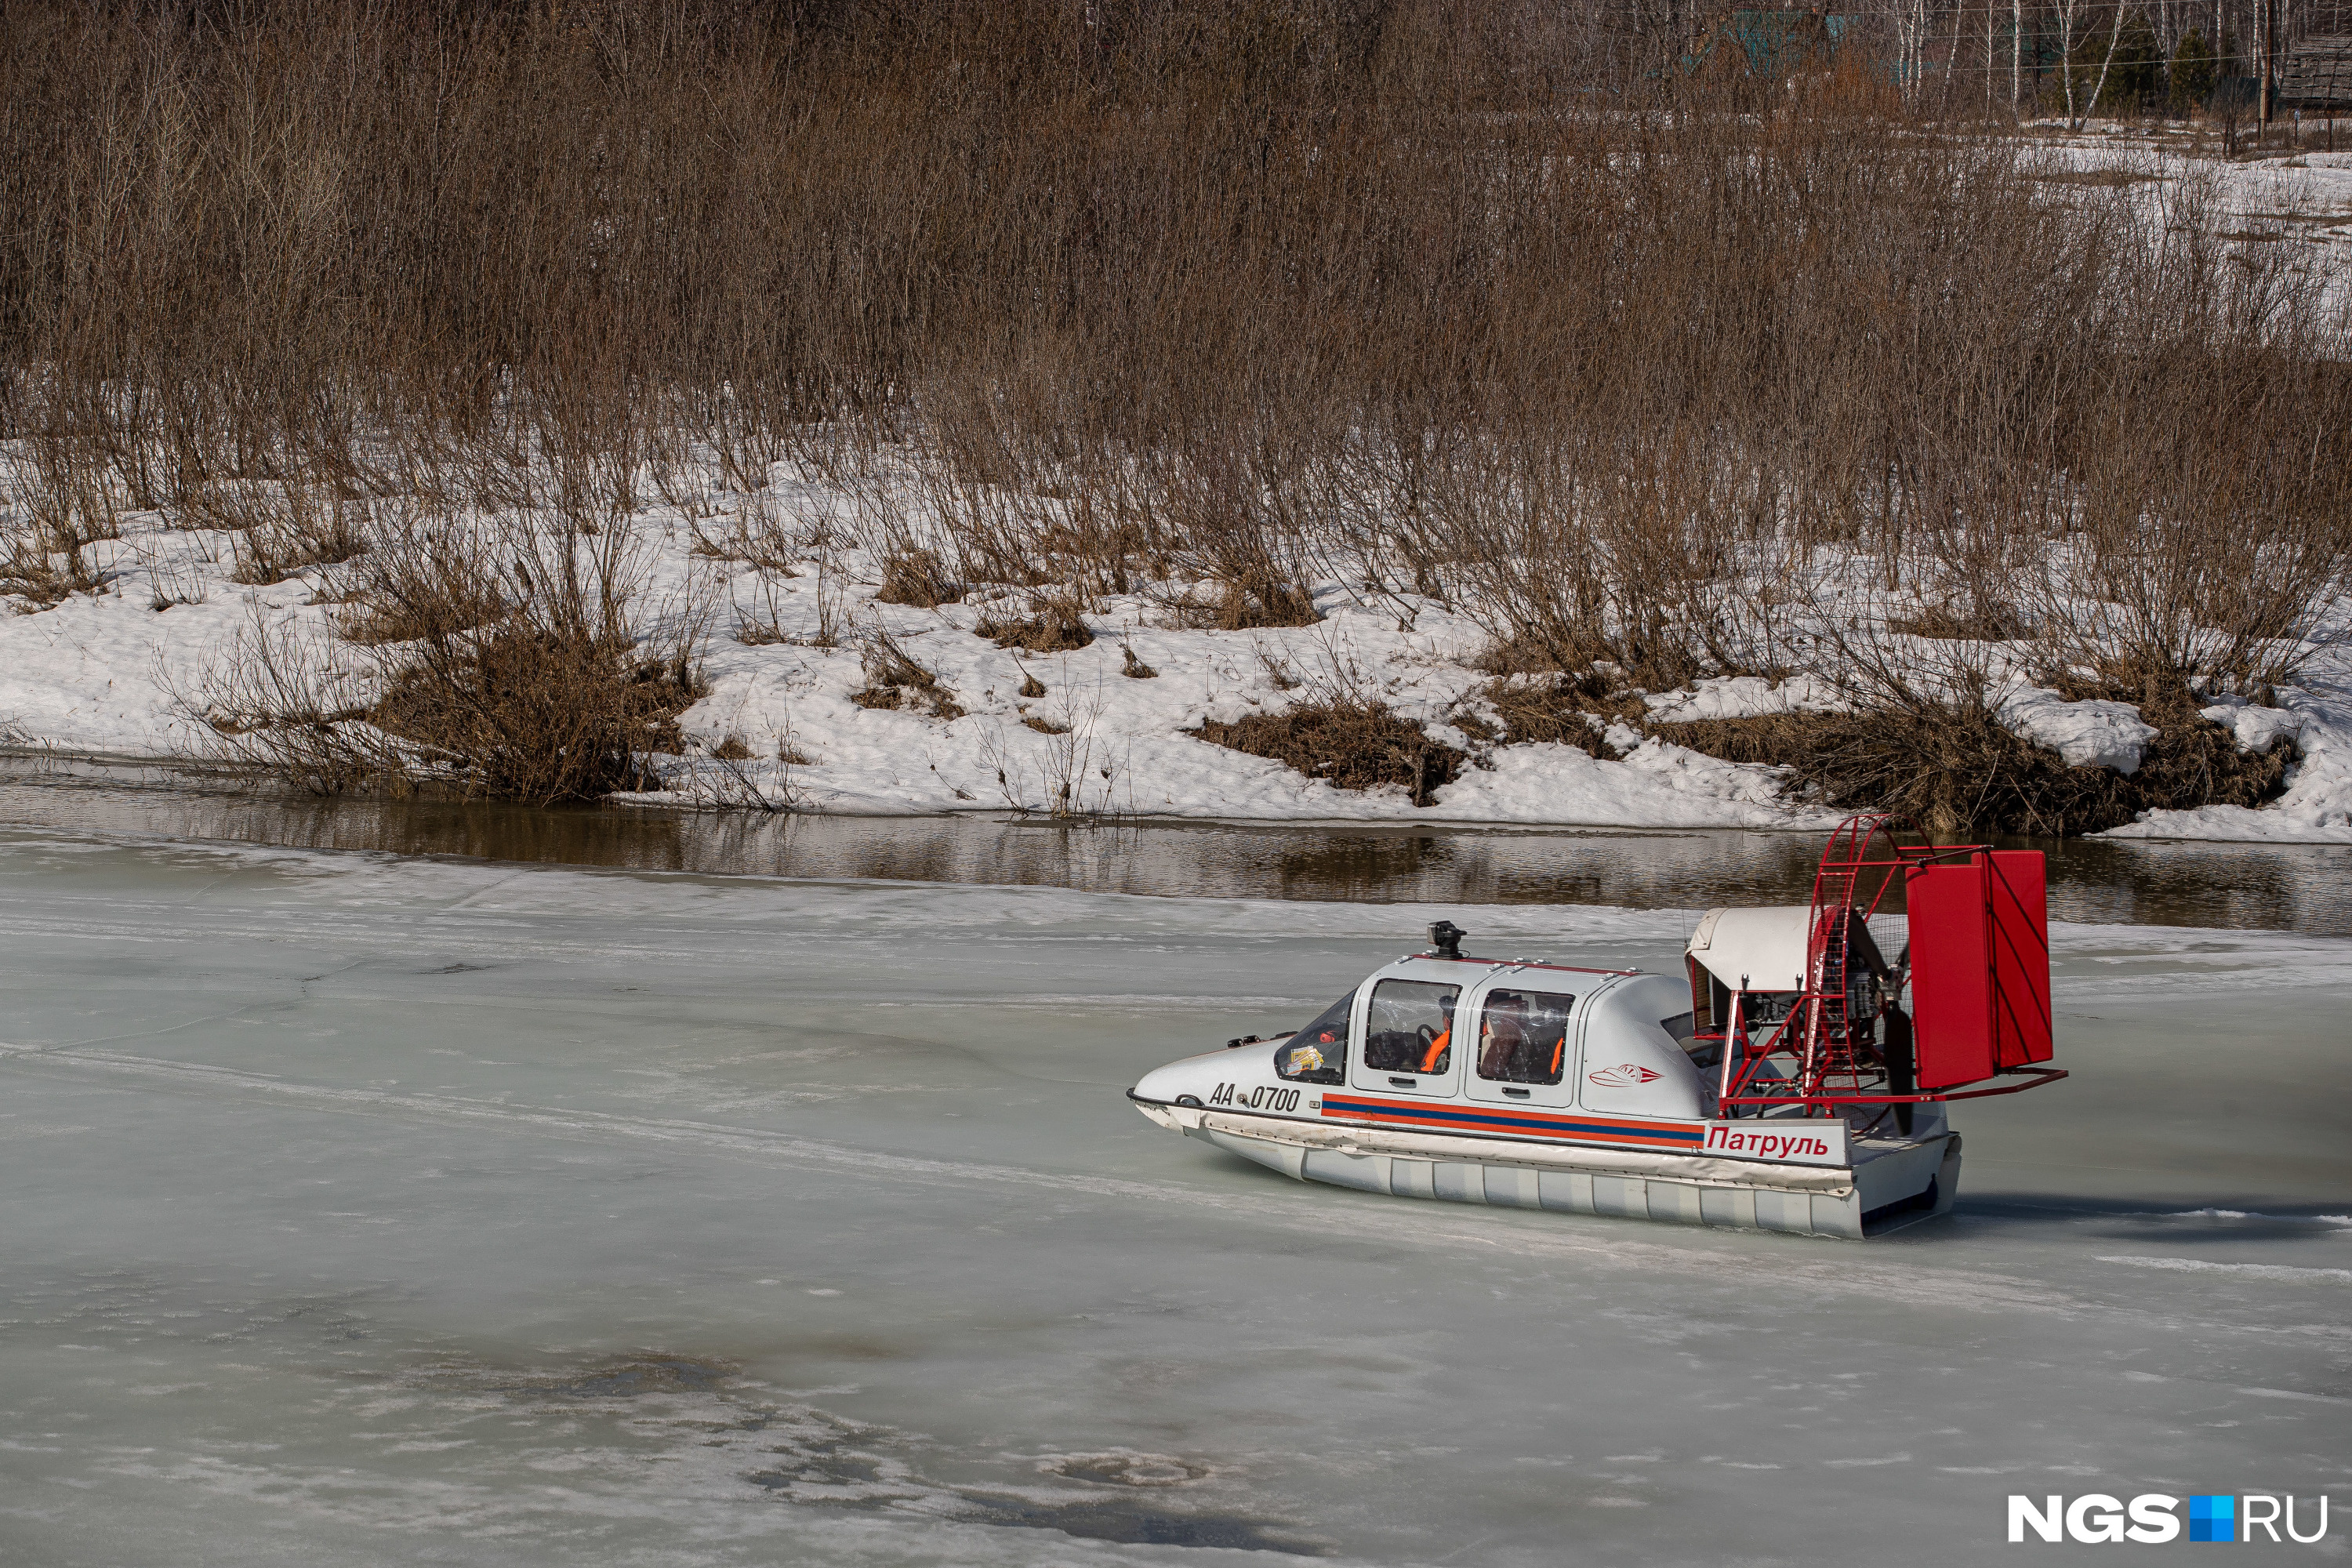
(359, 1209)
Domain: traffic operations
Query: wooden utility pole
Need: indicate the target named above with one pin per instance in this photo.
(2261, 65)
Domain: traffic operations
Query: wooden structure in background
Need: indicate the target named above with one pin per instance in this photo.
(2315, 76)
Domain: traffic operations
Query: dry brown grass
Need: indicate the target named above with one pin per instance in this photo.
(1349, 741)
(1570, 711)
(916, 577)
(1055, 624)
(896, 681)
(1952, 768)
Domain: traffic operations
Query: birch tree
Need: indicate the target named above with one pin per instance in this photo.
(2068, 11)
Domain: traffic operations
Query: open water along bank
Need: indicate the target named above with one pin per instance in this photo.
(2305, 888)
(367, 1209)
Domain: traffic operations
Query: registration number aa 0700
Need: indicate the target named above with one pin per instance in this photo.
(1262, 1098)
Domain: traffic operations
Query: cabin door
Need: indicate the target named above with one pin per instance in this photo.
(1520, 1039)
(1407, 1044)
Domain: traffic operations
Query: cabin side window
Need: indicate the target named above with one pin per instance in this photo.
(1523, 1036)
(1411, 1028)
(1318, 1053)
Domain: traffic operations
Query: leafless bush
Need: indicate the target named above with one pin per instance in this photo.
(308, 531)
(537, 712)
(1563, 710)
(1950, 767)
(1074, 772)
(895, 679)
(1343, 731)
(513, 658)
(292, 699)
(759, 534)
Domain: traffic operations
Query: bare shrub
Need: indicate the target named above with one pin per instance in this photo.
(1279, 672)
(1566, 710)
(1073, 773)
(2192, 761)
(1982, 624)
(288, 699)
(757, 533)
(307, 532)
(896, 680)
(538, 714)
(1950, 767)
(171, 581)
(49, 527)
(501, 659)
(42, 576)
(761, 624)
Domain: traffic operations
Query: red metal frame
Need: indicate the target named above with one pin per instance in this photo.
(1836, 1060)
(2036, 1077)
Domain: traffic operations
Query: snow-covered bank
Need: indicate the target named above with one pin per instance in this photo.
(2317, 805)
(110, 672)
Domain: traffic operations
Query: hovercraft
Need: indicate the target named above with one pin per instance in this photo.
(1780, 1083)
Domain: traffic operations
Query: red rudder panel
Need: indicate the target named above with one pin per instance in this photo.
(1951, 973)
(2020, 929)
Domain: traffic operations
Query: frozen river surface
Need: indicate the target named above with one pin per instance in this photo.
(364, 1210)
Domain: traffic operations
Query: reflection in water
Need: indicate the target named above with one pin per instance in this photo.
(2299, 887)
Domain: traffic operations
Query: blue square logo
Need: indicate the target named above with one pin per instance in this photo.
(2214, 1519)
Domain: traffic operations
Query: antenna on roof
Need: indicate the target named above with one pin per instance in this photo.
(1446, 940)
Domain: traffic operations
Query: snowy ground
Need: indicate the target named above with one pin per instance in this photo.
(2299, 203)
(104, 673)
(364, 1210)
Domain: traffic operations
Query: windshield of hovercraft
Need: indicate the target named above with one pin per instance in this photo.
(1318, 1053)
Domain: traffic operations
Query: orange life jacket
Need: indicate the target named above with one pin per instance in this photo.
(1436, 1051)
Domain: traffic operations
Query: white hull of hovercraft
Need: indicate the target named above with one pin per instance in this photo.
(1921, 1176)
